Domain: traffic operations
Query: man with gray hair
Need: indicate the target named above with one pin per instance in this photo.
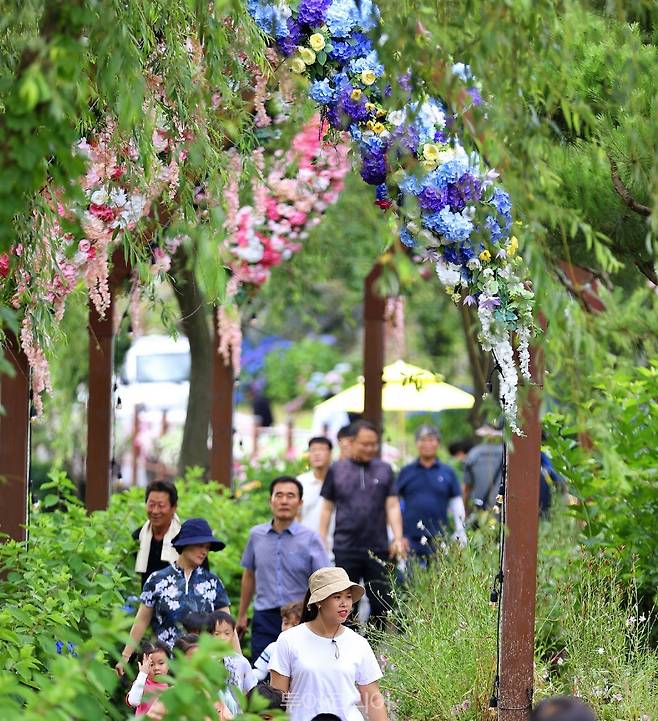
(430, 492)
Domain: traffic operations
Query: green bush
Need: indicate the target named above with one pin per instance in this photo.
(289, 370)
(78, 572)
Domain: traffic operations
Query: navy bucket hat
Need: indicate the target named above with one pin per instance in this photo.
(196, 531)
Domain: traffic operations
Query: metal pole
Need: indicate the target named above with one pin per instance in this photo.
(221, 418)
(374, 307)
(14, 442)
(99, 407)
(520, 558)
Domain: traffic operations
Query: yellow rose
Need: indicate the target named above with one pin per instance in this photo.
(316, 41)
(485, 256)
(307, 55)
(297, 65)
(368, 77)
(356, 94)
(428, 164)
(512, 246)
(431, 151)
(379, 128)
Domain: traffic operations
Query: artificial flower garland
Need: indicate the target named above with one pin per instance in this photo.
(453, 212)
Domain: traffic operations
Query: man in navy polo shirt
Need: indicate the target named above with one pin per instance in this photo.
(430, 491)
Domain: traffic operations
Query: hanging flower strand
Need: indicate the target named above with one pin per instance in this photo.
(451, 207)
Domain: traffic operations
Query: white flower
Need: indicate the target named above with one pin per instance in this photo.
(100, 196)
(396, 117)
(600, 651)
(448, 273)
(118, 197)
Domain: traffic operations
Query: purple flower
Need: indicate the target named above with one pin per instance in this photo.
(381, 192)
(475, 96)
(490, 303)
(313, 12)
(469, 300)
(288, 44)
(373, 169)
(433, 199)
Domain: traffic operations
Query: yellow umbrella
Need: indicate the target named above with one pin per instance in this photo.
(406, 388)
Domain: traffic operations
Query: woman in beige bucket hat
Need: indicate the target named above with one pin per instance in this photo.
(322, 665)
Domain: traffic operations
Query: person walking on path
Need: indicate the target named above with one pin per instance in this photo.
(155, 548)
(183, 587)
(429, 491)
(362, 491)
(483, 469)
(322, 666)
(319, 458)
(277, 561)
(345, 436)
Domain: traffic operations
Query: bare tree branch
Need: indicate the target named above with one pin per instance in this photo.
(624, 193)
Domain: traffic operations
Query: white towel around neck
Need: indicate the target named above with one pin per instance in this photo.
(169, 553)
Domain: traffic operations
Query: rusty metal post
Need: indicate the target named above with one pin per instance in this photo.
(520, 558)
(221, 418)
(99, 407)
(374, 308)
(14, 443)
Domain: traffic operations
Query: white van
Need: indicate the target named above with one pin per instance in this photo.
(156, 374)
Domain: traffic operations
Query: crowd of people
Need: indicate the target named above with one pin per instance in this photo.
(336, 533)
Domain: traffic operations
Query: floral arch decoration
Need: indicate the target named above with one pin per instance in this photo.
(452, 210)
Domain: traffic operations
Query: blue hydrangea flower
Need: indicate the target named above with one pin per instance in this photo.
(406, 238)
(369, 62)
(501, 201)
(322, 92)
(372, 143)
(452, 226)
(369, 15)
(344, 51)
(342, 17)
(461, 71)
(496, 233)
(312, 12)
(411, 184)
(270, 18)
(449, 172)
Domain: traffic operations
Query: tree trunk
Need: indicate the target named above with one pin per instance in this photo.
(194, 319)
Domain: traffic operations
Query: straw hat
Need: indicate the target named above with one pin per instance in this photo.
(327, 581)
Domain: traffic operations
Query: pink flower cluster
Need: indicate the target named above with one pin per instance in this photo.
(283, 205)
(49, 269)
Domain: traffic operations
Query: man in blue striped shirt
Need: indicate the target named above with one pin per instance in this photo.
(278, 560)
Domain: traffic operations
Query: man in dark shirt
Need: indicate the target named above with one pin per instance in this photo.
(155, 550)
(361, 490)
(429, 491)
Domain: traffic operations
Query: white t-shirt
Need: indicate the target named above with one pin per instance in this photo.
(312, 506)
(261, 670)
(320, 682)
